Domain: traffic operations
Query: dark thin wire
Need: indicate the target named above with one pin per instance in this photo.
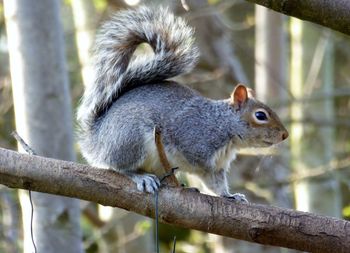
(31, 220)
(30, 151)
(157, 211)
(174, 245)
(157, 221)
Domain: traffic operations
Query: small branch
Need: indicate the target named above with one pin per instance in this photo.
(181, 207)
(334, 165)
(24, 145)
(314, 174)
(334, 14)
(170, 179)
(93, 217)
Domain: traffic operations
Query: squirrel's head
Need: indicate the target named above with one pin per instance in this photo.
(263, 127)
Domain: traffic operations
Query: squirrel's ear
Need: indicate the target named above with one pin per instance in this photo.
(251, 93)
(239, 95)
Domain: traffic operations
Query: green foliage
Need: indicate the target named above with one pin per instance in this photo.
(100, 5)
(143, 226)
(346, 212)
(67, 2)
(213, 1)
(88, 232)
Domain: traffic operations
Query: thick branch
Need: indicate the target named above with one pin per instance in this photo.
(182, 207)
(334, 14)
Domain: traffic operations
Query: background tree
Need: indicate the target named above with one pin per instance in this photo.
(312, 73)
(43, 115)
(85, 19)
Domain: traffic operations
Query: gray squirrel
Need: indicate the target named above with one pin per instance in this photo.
(130, 97)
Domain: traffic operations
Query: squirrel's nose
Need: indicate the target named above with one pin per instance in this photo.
(285, 135)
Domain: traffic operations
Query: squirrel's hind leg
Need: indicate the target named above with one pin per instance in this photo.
(169, 178)
(133, 157)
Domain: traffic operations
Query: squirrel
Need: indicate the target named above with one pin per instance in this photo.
(131, 96)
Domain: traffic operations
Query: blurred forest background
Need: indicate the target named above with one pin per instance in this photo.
(298, 68)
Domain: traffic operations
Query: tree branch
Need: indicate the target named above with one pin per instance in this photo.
(182, 207)
(334, 14)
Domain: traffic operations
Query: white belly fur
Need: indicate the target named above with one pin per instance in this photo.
(220, 160)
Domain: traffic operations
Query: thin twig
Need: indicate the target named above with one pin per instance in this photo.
(170, 179)
(24, 145)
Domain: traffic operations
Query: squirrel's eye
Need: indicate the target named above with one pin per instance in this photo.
(260, 115)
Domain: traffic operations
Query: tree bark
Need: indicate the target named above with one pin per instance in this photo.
(334, 14)
(178, 206)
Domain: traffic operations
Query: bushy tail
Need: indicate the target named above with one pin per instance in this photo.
(174, 53)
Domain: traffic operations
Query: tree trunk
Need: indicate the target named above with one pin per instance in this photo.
(331, 188)
(10, 223)
(84, 15)
(296, 88)
(307, 153)
(43, 115)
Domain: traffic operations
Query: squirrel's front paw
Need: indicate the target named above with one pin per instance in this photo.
(146, 182)
(238, 197)
(190, 189)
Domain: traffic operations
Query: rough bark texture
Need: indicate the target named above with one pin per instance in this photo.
(334, 14)
(182, 207)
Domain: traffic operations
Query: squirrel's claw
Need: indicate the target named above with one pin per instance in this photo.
(146, 182)
(237, 197)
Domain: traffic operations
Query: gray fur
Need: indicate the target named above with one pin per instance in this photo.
(199, 134)
(194, 125)
(174, 53)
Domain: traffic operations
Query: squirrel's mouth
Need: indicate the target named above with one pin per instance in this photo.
(268, 143)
